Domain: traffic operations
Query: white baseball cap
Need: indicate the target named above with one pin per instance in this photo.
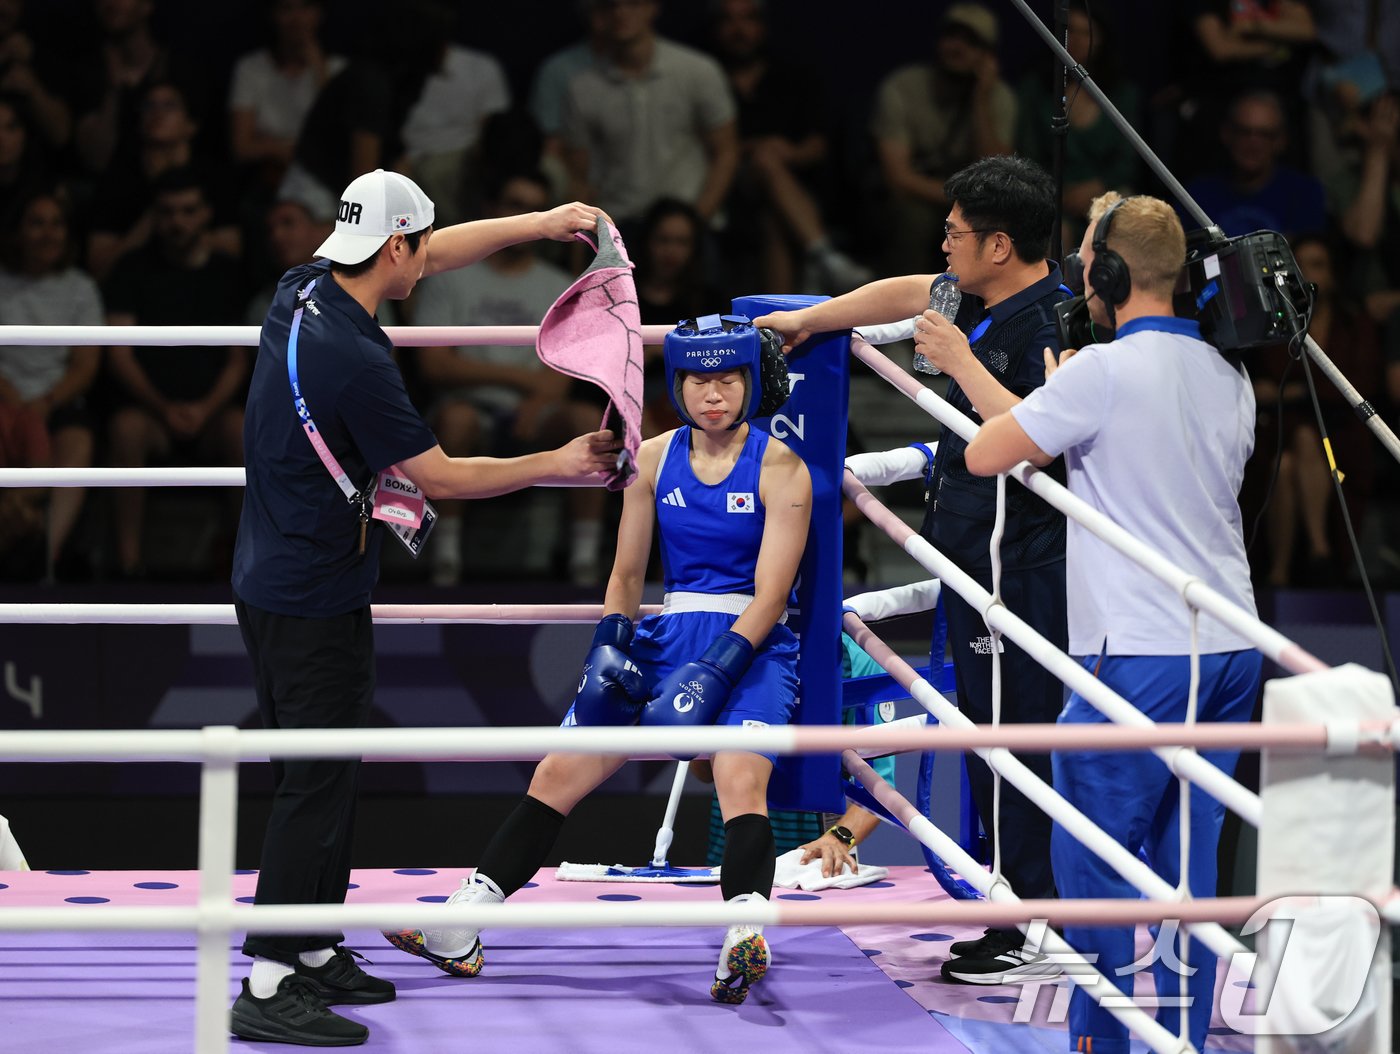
(373, 207)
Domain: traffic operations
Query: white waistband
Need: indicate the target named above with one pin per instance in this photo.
(721, 603)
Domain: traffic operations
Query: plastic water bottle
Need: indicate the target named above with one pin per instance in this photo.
(944, 298)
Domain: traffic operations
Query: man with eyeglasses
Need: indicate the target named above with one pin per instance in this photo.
(1257, 192)
(996, 237)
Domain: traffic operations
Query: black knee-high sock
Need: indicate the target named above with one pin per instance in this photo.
(749, 853)
(519, 847)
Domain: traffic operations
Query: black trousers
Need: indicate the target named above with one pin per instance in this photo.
(1029, 694)
(309, 673)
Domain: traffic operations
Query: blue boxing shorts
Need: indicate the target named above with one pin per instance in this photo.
(765, 695)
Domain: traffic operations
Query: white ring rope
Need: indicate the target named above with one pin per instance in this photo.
(1264, 637)
(316, 918)
(532, 743)
(223, 614)
(996, 890)
(1036, 790)
(248, 336)
(122, 477)
(1201, 772)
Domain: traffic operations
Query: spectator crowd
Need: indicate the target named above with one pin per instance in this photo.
(144, 181)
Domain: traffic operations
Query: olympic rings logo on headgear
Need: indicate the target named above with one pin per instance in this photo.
(710, 363)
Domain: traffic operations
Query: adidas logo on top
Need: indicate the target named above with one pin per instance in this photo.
(674, 498)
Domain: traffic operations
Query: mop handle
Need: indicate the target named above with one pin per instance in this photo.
(667, 831)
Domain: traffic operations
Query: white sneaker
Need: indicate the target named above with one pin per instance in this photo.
(453, 950)
(743, 959)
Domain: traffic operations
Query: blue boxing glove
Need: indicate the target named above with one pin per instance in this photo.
(610, 692)
(694, 693)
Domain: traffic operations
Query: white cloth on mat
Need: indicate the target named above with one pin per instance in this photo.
(11, 859)
(791, 873)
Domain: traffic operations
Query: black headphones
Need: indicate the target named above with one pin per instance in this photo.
(1109, 272)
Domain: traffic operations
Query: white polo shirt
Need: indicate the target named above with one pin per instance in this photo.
(1155, 428)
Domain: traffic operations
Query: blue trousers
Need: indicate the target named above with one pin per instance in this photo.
(1136, 799)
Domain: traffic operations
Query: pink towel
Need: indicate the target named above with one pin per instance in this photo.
(593, 332)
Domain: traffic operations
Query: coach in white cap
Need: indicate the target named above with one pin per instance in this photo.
(335, 454)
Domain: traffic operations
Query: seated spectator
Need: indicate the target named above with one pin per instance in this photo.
(652, 119)
(273, 89)
(293, 235)
(173, 402)
(932, 119)
(43, 390)
(1303, 492)
(25, 75)
(671, 286)
(106, 83)
(494, 399)
(1234, 46)
(121, 211)
(442, 131)
(781, 150)
(352, 128)
(23, 166)
(1097, 156)
(1257, 192)
(1371, 221)
(551, 86)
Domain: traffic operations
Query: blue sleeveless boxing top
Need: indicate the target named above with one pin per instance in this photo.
(710, 535)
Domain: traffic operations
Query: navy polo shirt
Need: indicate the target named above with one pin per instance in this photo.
(298, 537)
(1009, 339)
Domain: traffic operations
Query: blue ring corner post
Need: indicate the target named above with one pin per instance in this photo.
(813, 423)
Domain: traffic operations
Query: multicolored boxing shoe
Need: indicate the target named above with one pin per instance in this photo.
(413, 942)
(743, 960)
(455, 951)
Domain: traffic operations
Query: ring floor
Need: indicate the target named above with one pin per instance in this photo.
(577, 990)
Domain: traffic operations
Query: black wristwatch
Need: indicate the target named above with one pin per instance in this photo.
(843, 835)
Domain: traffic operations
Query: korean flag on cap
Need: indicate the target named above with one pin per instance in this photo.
(740, 502)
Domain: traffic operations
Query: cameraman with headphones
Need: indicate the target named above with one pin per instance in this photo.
(1155, 427)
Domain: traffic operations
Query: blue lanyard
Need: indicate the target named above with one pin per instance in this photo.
(304, 413)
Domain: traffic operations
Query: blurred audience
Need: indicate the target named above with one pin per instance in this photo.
(782, 151)
(293, 235)
(650, 119)
(45, 417)
(24, 74)
(1257, 191)
(23, 168)
(1371, 220)
(122, 209)
(178, 403)
(745, 168)
(273, 89)
(1097, 156)
(1303, 492)
(932, 119)
(1233, 46)
(442, 130)
(491, 399)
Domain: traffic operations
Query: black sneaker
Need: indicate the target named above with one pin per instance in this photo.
(1006, 965)
(293, 1014)
(992, 942)
(341, 982)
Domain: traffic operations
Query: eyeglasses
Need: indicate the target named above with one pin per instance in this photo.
(1256, 131)
(952, 234)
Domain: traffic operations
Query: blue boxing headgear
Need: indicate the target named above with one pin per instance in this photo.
(722, 344)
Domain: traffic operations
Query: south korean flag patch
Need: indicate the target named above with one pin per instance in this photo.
(740, 502)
